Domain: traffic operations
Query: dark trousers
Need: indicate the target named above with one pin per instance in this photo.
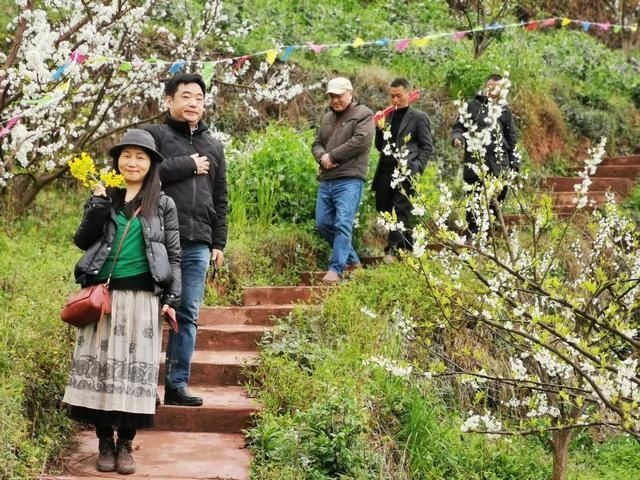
(106, 431)
(388, 200)
(472, 224)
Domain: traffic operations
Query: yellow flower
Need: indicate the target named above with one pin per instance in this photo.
(109, 178)
(83, 168)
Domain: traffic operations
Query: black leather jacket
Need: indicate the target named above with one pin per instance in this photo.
(162, 245)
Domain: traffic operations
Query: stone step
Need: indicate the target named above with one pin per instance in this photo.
(225, 410)
(241, 338)
(566, 184)
(631, 172)
(162, 455)
(243, 315)
(283, 295)
(568, 198)
(216, 368)
(368, 260)
(622, 160)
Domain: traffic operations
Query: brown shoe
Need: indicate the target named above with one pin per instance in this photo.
(125, 464)
(331, 277)
(106, 455)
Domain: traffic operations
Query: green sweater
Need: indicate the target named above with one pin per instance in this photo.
(132, 259)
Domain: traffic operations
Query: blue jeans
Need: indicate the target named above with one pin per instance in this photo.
(336, 207)
(195, 262)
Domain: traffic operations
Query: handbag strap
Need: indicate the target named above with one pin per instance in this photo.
(124, 234)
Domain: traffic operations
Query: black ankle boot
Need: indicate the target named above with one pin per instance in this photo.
(106, 455)
(125, 464)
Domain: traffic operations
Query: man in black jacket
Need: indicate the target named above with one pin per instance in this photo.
(194, 175)
(409, 129)
(500, 154)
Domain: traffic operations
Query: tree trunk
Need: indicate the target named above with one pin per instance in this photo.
(561, 440)
(24, 189)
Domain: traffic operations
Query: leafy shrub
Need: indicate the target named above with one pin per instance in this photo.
(272, 178)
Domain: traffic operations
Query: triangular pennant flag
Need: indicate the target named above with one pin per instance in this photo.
(605, 26)
(314, 47)
(459, 36)
(402, 45)
(287, 53)
(125, 67)
(549, 22)
(633, 28)
(420, 42)
(565, 22)
(152, 60)
(271, 56)
(586, 26)
(358, 42)
(57, 75)
(177, 66)
(531, 26)
(617, 29)
(494, 26)
(77, 57)
(382, 42)
(338, 51)
(241, 61)
(99, 59)
(207, 72)
(62, 88)
(10, 124)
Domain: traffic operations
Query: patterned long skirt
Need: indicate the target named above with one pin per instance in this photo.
(114, 374)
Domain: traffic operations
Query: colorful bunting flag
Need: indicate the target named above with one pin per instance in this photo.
(125, 67)
(207, 72)
(271, 56)
(617, 29)
(586, 26)
(549, 22)
(314, 47)
(177, 66)
(402, 45)
(358, 42)
(420, 42)
(605, 26)
(531, 26)
(287, 53)
(59, 73)
(78, 57)
(458, 36)
(566, 22)
(10, 124)
(382, 42)
(336, 52)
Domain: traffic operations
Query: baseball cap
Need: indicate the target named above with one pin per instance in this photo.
(339, 85)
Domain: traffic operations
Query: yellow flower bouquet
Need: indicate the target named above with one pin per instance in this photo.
(84, 169)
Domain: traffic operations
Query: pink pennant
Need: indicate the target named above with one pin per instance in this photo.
(402, 45)
(314, 47)
(458, 36)
(549, 22)
(605, 26)
(10, 124)
(78, 57)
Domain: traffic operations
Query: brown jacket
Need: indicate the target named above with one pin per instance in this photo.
(347, 139)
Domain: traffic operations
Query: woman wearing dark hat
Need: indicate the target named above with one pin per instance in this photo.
(114, 374)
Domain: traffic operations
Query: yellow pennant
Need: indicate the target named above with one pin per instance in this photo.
(566, 21)
(420, 42)
(271, 56)
(62, 88)
(358, 42)
(634, 28)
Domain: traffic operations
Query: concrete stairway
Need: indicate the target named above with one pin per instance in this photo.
(207, 442)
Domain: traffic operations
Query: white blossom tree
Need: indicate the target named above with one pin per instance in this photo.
(78, 72)
(555, 300)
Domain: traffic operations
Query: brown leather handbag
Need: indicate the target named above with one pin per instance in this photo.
(91, 303)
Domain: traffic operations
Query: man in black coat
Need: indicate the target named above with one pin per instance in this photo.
(410, 129)
(500, 154)
(194, 175)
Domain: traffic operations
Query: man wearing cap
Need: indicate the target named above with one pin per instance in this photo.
(408, 129)
(194, 175)
(341, 148)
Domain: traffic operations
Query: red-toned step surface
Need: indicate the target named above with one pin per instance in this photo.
(566, 184)
(282, 295)
(225, 410)
(226, 337)
(246, 315)
(163, 455)
(622, 160)
(216, 368)
(568, 198)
